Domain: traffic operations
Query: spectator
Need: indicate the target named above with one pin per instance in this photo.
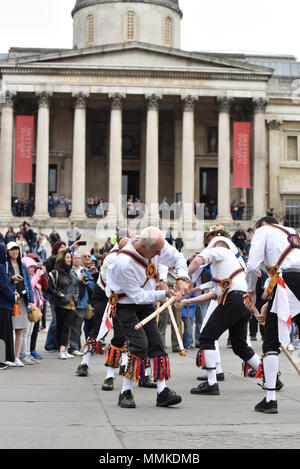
(23, 246)
(212, 208)
(21, 283)
(7, 301)
(26, 356)
(179, 242)
(165, 209)
(51, 345)
(51, 205)
(14, 201)
(54, 236)
(29, 236)
(169, 237)
(10, 235)
(250, 233)
(234, 210)
(270, 213)
(73, 234)
(30, 206)
(100, 209)
(95, 249)
(84, 285)
(90, 206)
(62, 289)
(240, 239)
(241, 210)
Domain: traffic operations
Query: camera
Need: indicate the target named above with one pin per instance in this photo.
(85, 278)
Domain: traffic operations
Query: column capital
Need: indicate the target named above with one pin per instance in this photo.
(260, 105)
(9, 99)
(224, 103)
(116, 100)
(153, 101)
(44, 99)
(80, 100)
(188, 102)
(274, 124)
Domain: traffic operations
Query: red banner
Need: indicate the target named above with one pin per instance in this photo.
(24, 149)
(241, 155)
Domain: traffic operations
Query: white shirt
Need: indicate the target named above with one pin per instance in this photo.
(267, 245)
(124, 275)
(109, 259)
(223, 263)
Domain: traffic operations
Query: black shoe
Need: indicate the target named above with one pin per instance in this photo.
(3, 366)
(220, 377)
(279, 384)
(267, 407)
(126, 400)
(206, 389)
(122, 370)
(148, 383)
(167, 397)
(82, 370)
(108, 384)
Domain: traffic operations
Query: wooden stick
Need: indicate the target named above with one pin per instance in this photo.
(157, 307)
(181, 347)
(287, 354)
(155, 313)
(179, 322)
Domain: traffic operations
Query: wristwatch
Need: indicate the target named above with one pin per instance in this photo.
(184, 279)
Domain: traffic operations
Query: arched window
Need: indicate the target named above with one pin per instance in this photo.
(168, 33)
(130, 26)
(90, 30)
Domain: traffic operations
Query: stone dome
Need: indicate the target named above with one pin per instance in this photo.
(105, 22)
(173, 4)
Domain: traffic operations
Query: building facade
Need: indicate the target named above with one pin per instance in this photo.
(127, 111)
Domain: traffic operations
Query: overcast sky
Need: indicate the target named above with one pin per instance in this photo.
(260, 26)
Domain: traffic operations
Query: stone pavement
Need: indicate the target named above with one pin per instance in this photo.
(47, 406)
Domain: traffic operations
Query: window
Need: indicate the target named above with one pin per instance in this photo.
(168, 32)
(130, 26)
(292, 212)
(90, 30)
(292, 148)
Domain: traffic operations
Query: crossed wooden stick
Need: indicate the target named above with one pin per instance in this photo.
(166, 305)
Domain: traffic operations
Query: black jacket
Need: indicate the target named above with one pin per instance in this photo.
(62, 282)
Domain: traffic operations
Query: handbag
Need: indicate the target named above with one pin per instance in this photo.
(34, 314)
(16, 311)
(89, 312)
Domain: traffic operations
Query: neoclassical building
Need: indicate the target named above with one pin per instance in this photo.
(127, 111)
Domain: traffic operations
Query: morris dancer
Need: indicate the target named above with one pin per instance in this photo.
(278, 248)
(99, 302)
(230, 313)
(131, 282)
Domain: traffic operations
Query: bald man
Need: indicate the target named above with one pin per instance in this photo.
(132, 277)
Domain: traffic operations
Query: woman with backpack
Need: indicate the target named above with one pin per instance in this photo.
(63, 296)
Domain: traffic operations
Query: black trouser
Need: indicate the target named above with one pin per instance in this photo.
(233, 316)
(99, 303)
(64, 318)
(144, 342)
(6, 335)
(271, 341)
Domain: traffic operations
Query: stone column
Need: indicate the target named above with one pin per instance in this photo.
(177, 153)
(42, 158)
(152, 157)
(224, 202)
(274, 165)
(115, 156)
(79, 157)
(259, 177)
(6, 154)
(188, 157)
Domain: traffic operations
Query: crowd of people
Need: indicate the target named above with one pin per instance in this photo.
(75, 287)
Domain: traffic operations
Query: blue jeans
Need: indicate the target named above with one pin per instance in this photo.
(51, 336)
(187, 337)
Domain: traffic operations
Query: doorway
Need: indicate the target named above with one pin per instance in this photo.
(209, 191)
(131, 184)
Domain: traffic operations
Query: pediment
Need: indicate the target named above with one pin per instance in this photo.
(141, 56)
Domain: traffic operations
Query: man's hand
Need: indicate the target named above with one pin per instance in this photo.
(182, 287)
(170, 293)
(250, 300)
(162, 286)
(261, 317)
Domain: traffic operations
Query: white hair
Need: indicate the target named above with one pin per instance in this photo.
(149, 236)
